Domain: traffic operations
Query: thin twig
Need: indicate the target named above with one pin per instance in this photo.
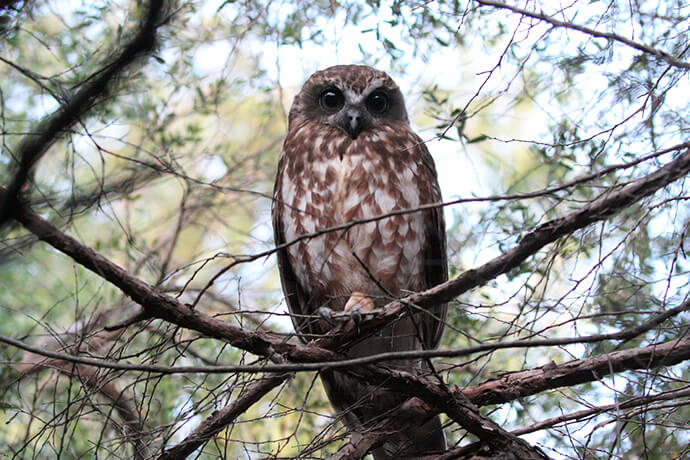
(593, 32)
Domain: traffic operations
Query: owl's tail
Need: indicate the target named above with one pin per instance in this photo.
(412, 442)
(363, 408)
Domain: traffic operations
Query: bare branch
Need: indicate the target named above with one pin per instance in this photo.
(437, 395)
(157, 304)
(165, 307)
(94, 380)
(222, 418)
(524, 383)
(33, 146)
(339, 362)
(587, 413)
(593, 32)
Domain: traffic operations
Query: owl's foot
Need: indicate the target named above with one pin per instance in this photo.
(326, 314)
(357, 304)
(359, 301)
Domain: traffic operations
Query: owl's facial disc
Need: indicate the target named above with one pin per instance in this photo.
(354, 99)
(352, 112)
(345, 110)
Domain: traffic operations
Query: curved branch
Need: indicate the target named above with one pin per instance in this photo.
(437, 395)
(469, 450)
(675, 62)
(342, 362)
(34, 145)
(165, 307)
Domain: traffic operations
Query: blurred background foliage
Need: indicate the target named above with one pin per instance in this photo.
(171, 175)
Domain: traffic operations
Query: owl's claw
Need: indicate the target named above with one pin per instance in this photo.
(326, 314)
(356, 316)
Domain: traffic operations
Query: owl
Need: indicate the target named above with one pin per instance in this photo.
(350, 154)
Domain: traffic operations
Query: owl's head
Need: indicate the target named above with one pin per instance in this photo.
(352, 98)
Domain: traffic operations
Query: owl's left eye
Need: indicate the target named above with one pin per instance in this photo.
(377, 102)
(332, 99)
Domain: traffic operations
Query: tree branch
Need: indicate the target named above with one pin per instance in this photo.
(167, 308)
(222, 418)
(158, 304)
(637, 401)
(470, 450)
(437, 395)
(525, 383)
(89, 377)
(33, 146)
(593, 32)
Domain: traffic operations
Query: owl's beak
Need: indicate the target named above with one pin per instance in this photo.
(352, 121)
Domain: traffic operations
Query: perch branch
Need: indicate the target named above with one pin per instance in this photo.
(533, 381)
(437, 395)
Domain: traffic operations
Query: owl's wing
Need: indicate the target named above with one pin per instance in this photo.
(295, 297)
(435, 255)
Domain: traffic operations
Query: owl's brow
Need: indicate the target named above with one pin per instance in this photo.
(379, 83)
(352, 96)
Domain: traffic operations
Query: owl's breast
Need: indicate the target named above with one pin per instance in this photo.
(372, 185)
(361, 180)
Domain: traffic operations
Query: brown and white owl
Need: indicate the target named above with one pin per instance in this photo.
(350, 154)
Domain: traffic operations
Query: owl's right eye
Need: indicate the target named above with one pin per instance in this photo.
(332, 99)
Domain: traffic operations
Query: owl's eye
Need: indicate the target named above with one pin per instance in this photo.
(377, 102)
(332, 99)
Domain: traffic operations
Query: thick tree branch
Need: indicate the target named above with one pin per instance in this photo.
(525, 383)
(163, 306)
(157, 304)
(471, 451)
(453, 404)
(34, 145)
(166, 307)
(521, 383)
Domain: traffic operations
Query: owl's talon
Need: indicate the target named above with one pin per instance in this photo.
(356, 316)
(326, 314)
